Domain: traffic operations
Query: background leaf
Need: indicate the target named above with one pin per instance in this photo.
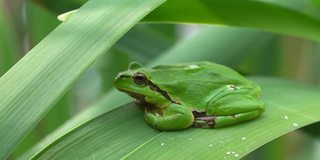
(243, 13)
(8, 43)
(295, 17)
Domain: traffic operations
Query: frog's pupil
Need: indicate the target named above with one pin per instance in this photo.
(139, 79)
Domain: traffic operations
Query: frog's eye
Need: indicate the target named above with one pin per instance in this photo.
(140, 78)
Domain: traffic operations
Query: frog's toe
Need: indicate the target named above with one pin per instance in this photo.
(204, 122)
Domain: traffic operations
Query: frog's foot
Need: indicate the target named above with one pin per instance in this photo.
(222, 121)
(204, 122)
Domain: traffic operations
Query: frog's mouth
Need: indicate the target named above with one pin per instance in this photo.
(140, 100)
(133, 94)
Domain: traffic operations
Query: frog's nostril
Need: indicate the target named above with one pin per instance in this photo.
(124, 76)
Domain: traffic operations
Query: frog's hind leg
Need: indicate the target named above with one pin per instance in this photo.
(222, 121)
(233, 105)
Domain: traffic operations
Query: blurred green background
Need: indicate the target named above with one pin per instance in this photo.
(24, 23)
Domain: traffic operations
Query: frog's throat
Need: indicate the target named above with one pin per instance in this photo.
(140, 100)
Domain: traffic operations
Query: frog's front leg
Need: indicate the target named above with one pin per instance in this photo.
(172, 118)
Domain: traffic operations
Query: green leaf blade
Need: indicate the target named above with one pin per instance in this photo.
(299, 103)
(109, 149)
(39, 79)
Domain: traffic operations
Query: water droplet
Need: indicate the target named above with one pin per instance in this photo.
(233, 152)
(285, 117)
(210, 145)
(162, 144)
(236, 155)
(190, 139)
(228, 152)
(192, 66)
(232, 87)
(224, 157)
(295, 124)
(243, 138)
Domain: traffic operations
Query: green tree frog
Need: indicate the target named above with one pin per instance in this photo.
(197, 94)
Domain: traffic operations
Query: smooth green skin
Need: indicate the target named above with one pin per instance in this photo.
(199, 94)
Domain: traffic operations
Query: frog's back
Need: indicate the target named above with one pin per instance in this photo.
(194, 84)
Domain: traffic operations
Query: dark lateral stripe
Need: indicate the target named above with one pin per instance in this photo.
(157, 89)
